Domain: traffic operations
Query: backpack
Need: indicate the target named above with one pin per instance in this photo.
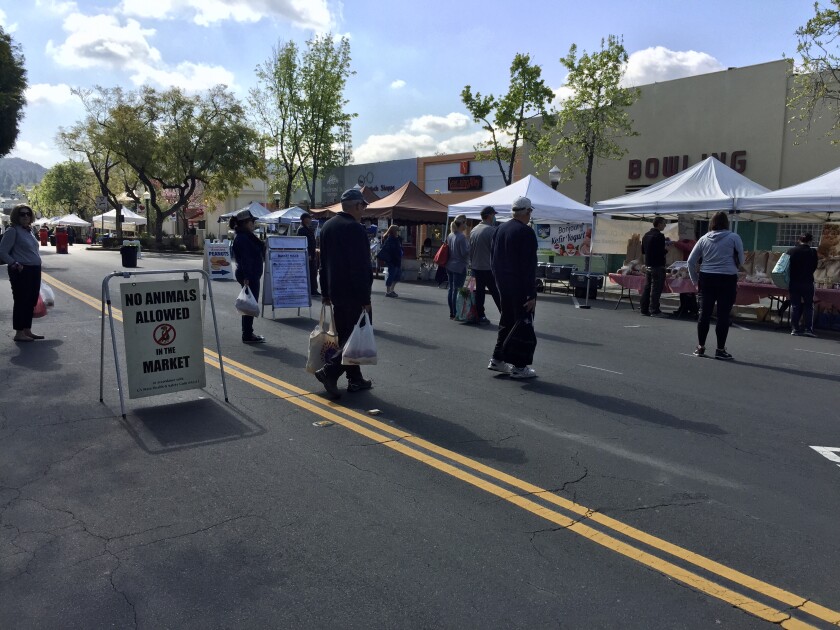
(442, 256)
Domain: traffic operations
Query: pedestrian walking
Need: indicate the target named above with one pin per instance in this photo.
(391, 254)
(249, 252)
(713, 267)
(514, 266)
(19, 250)
(653, 247)
(456, 265)
(803, 264)
(308, 231)
(346, 279)
(481, 242)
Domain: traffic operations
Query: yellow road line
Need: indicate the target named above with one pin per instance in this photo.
(329, 410)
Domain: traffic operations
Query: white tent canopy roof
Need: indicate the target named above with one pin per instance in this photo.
(257, 209)
(110, 218)
(705, 187)
(70, 220)
(813, 200)
(288, 215)
(549, 205)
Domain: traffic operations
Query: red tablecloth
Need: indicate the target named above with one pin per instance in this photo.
(637, 283)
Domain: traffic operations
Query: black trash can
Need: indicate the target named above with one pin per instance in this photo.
(129, 255)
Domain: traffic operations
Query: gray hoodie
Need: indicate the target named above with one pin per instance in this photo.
(720, 252)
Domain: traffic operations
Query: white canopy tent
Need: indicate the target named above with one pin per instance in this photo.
(707, 187)
(288, 215)
(814, 201)
(69, 220)
(550, 206)
(256, 208)
(109, 219)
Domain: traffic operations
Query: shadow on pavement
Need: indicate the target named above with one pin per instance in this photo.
(791, 371)
(165, 428)
(622, 407)
(40, 356)
(559, 339)
(403, 339)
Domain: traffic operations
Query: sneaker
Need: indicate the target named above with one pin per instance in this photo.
(807, 333)
(523, 372)
(700, 351)
(483, 321)
(329, 383)
(723, 355)
(796, 333)
(497, 365)
(645, 313)
(391, 294)
(357, 386)
(253, 339)
(657, 314)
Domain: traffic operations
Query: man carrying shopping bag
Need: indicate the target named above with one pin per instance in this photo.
(346, 280)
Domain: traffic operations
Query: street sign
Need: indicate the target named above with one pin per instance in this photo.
(101, 203)
(162, 331)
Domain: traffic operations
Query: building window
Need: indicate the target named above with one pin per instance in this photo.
(788, 234)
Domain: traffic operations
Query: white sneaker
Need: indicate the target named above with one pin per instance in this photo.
(497, 365)
(524, 372)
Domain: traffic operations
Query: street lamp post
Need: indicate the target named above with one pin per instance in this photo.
(146, 197)
(554, 176)
(277, 196)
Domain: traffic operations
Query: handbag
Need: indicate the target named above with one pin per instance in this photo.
(360, 348)
(323, 343)
(442, 256)
(465, 309)
(781, 272)
(40, 309)
(518, 348)
(246, 304)
(47, 295)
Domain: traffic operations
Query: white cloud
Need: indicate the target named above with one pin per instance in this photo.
(306, 14)
(191, 77)
(661, 64)
(463, 143)
(44, 93)
(381, 148)
(439, 124)
(396, 85)
(100, 40)
(40, 153)
(55, 7)
(4, 22)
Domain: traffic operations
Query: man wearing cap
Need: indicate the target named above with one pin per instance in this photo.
(514, 265)
(481, 241)
(306, 230)
(346, 279)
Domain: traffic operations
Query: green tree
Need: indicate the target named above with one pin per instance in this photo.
(67, 187)
(174, 145)
(816, 85)
(513, 115)
(298, 105)
(12, 91)
(591, 122)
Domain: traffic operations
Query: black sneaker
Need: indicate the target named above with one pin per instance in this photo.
(357, 386)
(645, 313)
(796, 333)
(807, 333)
(253, 339)
(483, 321)
(657, 314)
(700, 351)
(723, 355)
(330, 384)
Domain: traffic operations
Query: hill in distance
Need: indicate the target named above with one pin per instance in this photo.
(16, 172)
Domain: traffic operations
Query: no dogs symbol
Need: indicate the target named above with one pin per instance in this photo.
(164, 334)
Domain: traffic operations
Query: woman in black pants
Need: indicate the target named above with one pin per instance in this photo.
(713, 267)
(249, 252)
(19, 250)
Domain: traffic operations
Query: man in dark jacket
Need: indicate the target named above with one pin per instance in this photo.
(514, 265)
(306, 230)
(653, 247)
(346, 279)
(803, 264)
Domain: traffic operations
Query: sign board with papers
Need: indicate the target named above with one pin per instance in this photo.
(217, 261)
(286, 278)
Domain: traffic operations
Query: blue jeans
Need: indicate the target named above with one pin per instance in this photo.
(456, 281)
(394, 275)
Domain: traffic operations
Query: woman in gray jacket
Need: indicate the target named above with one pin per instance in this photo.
(459, 255)
(713, 267)
(19, 250)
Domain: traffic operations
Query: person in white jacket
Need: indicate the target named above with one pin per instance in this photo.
(713, 267)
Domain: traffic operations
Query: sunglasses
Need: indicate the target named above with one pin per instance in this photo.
(24, 214)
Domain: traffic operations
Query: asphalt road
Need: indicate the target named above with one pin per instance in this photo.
(630, 485)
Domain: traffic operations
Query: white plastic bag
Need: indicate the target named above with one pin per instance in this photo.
(323, 343)
(246, 304)
(360, 348)
(47, 295)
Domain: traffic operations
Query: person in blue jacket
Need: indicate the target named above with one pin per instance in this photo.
(249, 252)
(391, 255)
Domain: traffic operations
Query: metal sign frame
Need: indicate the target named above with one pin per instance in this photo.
(106, 301)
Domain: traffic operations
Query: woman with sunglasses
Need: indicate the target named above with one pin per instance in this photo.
(19, 250)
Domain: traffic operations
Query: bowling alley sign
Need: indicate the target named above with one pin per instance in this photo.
(162, 330)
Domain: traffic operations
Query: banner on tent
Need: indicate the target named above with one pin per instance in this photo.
(611, 235)
(563, 239)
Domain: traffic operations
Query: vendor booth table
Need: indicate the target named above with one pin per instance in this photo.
(637, 283)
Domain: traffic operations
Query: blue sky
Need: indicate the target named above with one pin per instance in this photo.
(411, 59)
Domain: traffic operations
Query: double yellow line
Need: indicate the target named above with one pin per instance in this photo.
(611, 533)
